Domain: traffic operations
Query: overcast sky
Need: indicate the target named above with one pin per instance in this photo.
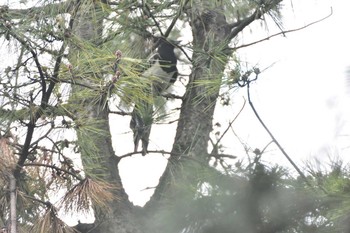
(304, 97)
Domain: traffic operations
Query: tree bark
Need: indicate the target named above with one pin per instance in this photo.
(87, 25)
(210, 34)
(13, 202)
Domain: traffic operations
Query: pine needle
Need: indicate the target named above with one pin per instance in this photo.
(86, 194)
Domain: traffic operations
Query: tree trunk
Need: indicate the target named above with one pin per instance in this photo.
(13, 202)
(102, 162)
(210, 34)
(211, 37)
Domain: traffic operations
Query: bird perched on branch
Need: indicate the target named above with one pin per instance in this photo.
(163, 73)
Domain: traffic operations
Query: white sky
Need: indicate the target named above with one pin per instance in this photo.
(303, 98)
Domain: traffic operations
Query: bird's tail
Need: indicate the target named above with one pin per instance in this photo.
(141, 123)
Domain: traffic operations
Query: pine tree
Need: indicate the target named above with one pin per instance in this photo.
(72, 65)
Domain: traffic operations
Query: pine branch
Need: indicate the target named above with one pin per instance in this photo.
(29, 13)
(239, 26)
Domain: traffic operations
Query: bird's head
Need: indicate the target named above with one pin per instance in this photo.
(165, 49)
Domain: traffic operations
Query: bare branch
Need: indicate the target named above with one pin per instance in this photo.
(171, 96)
(54, 168)
(149, 14)
(242, 24)
(239, 26)
(46, 203)
(301, 174)
(172, 24)
(228, 127)
(35, 116)
(285, 32)
(26, 45)
(220, 156)
(122, 113)
(140, 152)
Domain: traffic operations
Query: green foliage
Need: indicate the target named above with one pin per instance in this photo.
(261, 199)
(334, 180)
(66, 76)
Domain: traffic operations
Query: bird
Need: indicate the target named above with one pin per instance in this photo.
(163, 73)
(163, 66)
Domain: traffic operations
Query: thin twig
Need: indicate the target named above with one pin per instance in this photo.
(228, 127)
(171, 96)
(285, 32)
(140, 152)
(172, 24)
(220, 156)
(267, 145)
(53, 167)
(39, 112)
(149, 13)
(170, 28)
(274, 139)
(26, 44)
(122, 113)
(46, 203)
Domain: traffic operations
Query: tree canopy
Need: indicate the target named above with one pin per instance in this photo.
(72, 77)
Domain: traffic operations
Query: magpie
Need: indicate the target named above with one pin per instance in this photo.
(163, 73)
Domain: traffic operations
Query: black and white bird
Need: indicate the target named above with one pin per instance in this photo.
(163, 72)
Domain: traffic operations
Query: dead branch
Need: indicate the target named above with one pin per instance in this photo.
(285, 32)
